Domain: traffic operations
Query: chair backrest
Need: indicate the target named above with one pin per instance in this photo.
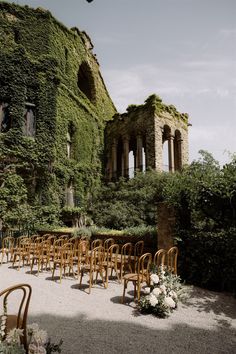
(24, 294)
(97, 257)
(172, 256)
(8, 243)
(107, 243)
(67, 251)
(126, 249)
(138, 248)
(83, 251)
(159, 258)
(96, 243)
(144, 264)
(112, 253)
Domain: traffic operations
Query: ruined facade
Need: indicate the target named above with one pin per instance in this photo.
(137, 137)
(55, 108)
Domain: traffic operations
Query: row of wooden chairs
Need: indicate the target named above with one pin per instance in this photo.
(94, 258)
(162, 258)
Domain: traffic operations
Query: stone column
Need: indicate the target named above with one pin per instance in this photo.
(126, 156)
(171, 153)
(139, 153)
(114, 158)
(179, 148)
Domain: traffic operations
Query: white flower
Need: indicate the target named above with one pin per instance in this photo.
(156, 292)
(168, 301)
(35, 349)
(163, 288)
(14, 336)
(39, 337)
(154, 278)
(153, 300)
(173, 294)
(33, 327)
(147, 290)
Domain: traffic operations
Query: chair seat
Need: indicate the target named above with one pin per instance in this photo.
(134, 277)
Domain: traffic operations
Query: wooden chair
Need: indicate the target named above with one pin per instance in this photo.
(159, 259)
(138, 251)
(7, 247)
(95, 265)
(124, 259)
(81, 254)
(110, 261)
(172, 255)
(107, 243)
(23, 253)
(41, 256)
(142, 275)
(64, 259)
(19, 320)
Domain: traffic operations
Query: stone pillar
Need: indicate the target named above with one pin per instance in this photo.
(126, 156)
(166, 222)
(114, 158)
(171, 153)
(179, 148)
(158, 166)
(139, 153)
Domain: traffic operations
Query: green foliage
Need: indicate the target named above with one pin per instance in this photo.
(129, 203)
(208, 259)
(40, 59)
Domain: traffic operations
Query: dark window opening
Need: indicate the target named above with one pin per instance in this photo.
(29, 126)
(5, 121)
(86, 81)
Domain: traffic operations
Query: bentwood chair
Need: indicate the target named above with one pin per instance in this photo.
(124, 259)
(64, 259)
(159, 259)
(20, 295)
(95, 265)
(110, 261)
(142, 275)
(138, 251)
(23, 253)
(172, 255)
(7, 247)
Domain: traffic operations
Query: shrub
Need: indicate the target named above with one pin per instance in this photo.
(208, 259)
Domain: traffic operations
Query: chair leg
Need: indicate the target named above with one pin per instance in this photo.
(123, 297)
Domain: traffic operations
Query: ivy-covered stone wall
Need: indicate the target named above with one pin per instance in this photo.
(51, 71)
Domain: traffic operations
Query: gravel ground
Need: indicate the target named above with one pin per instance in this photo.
(99, 323)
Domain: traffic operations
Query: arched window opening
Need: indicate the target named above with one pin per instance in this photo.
(165, 148)
(70, 194)
(29, 125)
(5, 122)
(144, 159)
(132, 159)
(86, 82)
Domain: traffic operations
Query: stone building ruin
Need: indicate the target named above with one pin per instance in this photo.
(139, 135)
(59, 129)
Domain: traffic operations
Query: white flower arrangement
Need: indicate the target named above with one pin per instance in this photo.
(38, 341)
(162, 297)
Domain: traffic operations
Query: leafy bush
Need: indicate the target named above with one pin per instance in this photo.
(208, 259)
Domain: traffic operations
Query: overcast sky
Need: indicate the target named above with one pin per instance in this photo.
(182, 50)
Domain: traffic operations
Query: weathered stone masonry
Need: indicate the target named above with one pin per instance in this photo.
(143, 130)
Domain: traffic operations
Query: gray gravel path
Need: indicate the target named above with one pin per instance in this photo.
(99, 323)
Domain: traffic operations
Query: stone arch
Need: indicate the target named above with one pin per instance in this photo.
(86, 81)
(166, 134)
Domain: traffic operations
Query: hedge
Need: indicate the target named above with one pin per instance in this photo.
(207, 259)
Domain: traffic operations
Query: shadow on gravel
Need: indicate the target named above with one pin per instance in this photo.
(81, 335)
(219, 303)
